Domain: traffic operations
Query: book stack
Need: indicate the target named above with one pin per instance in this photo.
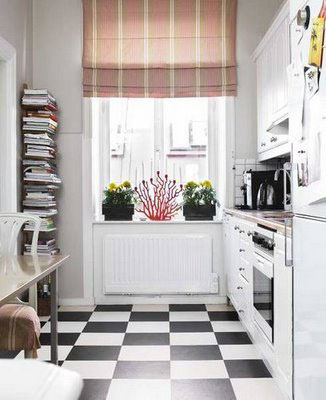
(39, 166)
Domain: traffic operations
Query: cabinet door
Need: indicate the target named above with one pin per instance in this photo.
(233, 271)
(283, 317)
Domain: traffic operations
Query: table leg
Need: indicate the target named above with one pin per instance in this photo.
(54, 318)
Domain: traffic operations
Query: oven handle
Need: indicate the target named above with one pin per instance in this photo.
(288, 222)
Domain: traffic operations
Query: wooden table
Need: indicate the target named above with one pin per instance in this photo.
(18, 273)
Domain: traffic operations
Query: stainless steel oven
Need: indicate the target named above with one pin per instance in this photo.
(263, 282)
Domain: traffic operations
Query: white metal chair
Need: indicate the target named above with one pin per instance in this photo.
(19, 323)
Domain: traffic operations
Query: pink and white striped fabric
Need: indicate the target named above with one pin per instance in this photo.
(159, 48)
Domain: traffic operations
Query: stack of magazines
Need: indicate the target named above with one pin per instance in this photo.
(39, 99)
(39, 128)
(43, 247)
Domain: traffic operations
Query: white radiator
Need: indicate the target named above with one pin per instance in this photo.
(158, 264)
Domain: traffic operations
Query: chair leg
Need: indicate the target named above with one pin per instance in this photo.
(33, 297)
(30, 353)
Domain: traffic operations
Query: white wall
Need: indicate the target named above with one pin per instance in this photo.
(16, 24)
(57, 66)
(254, 18)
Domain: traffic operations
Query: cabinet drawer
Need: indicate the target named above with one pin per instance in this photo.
(244, 269)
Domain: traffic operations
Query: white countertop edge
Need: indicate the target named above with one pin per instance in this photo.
(175, 222)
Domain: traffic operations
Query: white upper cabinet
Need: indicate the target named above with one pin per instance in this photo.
(272, 57)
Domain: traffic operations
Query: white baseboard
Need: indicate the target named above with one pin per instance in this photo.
(144, 299)
(161, 299)
(77, 302)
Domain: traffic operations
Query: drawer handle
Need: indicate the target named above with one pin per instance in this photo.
(239, 287)
(241, 311)
(242, 269)
(242, 250)
(249, 233)
(241, 231)
(262, 144)
(237, 227)
(273, 139)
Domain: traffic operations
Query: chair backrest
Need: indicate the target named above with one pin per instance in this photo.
(10, 226)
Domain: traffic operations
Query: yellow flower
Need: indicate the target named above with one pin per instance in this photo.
(191, 184)
(126, 184)
(207, 184)
(112, 187)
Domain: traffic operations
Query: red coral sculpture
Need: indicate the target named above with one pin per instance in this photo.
(158, 199)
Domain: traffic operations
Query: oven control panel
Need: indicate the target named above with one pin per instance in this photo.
(264, 242)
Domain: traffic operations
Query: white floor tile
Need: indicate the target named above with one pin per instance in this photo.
(44, 318)
(44, 353)
(100, 339)
(200, 338)
(256, 389)
(239, 352)
(219, 307)
(65, 326)
(92, 369)
(148, 326)
(189, 316)
(150, 307)
(105, 316)
(198, 370)
(227, 326)
(145, 353)
(135, 389)
(77, 308)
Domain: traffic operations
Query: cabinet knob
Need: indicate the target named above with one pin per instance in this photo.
(242, 250)
(237, 227)
(273, 139)
(239, 287)
(249, 233)
(262, 144)
(241, 311)
(241, 269)
(241, 231)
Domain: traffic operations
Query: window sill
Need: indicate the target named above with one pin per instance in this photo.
(174, 222)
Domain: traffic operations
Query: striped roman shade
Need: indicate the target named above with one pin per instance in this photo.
(159, 48)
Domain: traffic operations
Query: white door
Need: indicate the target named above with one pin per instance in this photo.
(309, 273)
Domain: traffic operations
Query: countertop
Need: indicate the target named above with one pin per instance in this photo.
(265, 218)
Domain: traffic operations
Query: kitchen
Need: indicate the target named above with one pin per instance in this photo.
(274, 236)
(157, 301)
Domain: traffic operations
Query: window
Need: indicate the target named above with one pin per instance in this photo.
(166, 135)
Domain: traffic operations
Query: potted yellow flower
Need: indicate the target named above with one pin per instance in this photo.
(118, 204)
(199, 201)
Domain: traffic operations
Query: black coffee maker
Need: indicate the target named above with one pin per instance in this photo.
(263, 190)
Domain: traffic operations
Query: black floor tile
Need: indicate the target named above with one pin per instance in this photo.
(74, 316)
(232, 338)
(95, 389)
(149, 316)
(195, 353)
(64, 339)
(247, 369)
(114, 307)
(97, 353)
(187, 307)
(142, 370)
(205, 389)
(146, 339)
(223, 316)
(8, 354)
(43, 323)
(196, 326)
(109, 327)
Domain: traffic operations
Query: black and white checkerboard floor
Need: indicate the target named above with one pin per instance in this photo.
(160, 352)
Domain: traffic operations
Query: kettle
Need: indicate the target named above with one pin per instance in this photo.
(266, 198)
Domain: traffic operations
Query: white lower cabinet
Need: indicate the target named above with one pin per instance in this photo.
(239, 259)
(283, 317)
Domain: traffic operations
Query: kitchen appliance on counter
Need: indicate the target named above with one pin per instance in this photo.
(263, 190)
(263, 281)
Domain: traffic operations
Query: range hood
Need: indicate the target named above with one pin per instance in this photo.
(280, 126)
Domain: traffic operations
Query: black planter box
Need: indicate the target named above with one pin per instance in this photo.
(199, 213)
(118, 213)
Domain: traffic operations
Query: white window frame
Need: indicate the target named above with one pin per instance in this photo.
(220, 147)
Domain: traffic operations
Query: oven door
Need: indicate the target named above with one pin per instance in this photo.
(264, 297)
